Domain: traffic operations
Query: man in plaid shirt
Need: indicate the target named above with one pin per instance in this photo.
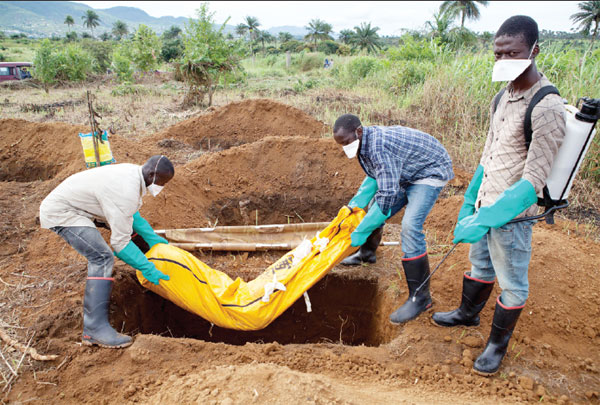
(405, 168)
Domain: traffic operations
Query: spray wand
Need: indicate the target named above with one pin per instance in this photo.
(433, 272)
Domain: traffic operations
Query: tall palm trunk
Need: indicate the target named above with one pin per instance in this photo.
(593, 37)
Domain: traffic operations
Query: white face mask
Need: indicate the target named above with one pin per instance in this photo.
(351, 149)
(507, 70)
(154, 189)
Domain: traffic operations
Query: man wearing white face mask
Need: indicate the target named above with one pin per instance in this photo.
(511, 173)
(111, 194)
(405, 168)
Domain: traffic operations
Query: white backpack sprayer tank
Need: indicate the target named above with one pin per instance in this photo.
(579, 134)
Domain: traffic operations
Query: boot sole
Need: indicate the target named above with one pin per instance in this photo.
(121, 346)
(412, 319)
(451, 326)
(357, 264)
(483, 373)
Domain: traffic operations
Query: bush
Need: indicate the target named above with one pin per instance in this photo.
(121, 62)
(328, 47)
(126, 88)
(411, 73)
(71, 36)
(306, 61)
(101, 52)
(362, 66)
(172, 49)
(344, 50)
(145, 47)
(74, 63)
(290, 46)
(272, 50)
(208, 57)
(415, 50)
(300, 85)
(52, 63)
(2, 57)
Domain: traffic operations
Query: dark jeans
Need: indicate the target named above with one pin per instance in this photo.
(88, 242)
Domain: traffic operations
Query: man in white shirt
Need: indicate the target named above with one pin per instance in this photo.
(113, 195)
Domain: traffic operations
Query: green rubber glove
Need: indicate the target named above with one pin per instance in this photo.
(365, 193)
(508, 205)
(134, 257)
(468, 207)
(143, 228)
(373, 220)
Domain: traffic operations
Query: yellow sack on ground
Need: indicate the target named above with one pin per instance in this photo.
(253, 305)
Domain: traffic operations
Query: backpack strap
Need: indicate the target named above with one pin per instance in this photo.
(537, 97)
(497, 98)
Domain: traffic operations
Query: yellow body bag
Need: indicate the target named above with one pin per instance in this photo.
(253, 305)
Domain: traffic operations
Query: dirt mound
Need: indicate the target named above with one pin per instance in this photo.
(243, 122)
(31, 151)
(273, 180)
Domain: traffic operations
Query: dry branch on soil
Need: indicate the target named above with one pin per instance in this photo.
(26, 349)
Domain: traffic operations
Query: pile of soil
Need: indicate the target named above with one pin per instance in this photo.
(273, 173)
(242, 122)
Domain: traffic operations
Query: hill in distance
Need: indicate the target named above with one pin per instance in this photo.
(46, 19)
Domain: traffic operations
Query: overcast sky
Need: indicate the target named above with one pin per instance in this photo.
(390, 17)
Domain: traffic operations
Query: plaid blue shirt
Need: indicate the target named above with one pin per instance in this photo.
(397, 156)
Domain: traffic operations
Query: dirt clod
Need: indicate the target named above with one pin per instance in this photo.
(525, 382)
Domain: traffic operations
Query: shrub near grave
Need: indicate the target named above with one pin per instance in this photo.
(66, 63)
(207, 57)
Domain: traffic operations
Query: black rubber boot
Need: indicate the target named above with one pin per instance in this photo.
(416, 271)
(474, 296)
(366, 253)
(96, 329)
(503, 325)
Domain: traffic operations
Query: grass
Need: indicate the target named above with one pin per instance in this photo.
(17, 50)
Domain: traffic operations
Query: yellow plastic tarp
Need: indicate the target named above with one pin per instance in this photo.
(241, 305)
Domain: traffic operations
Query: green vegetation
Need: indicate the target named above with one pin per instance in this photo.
(145, 49)
(65, 63)
(207, 56)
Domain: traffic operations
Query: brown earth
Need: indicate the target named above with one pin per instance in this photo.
(345, 351)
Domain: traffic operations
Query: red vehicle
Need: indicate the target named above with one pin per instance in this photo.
(14, 71)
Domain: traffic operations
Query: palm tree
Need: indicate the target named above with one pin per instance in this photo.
(91, 20)
(318, 29)
(442, 21)
(589, 14)
(251, 26)
(346, 36)
(119, 29)
(285, 37)
(241, 30)
(264, 36)
(69, 21)
(366, 37)
(466, 9)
